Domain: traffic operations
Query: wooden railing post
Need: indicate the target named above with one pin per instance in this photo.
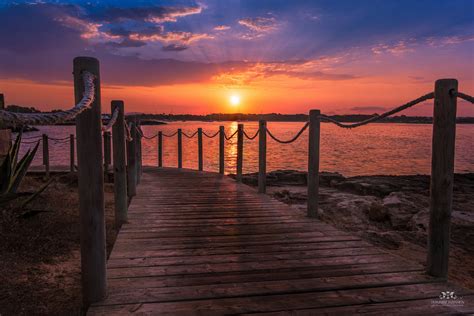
(240, 151)
(313, 162)
(71, 153)
(91, 186)
(180, 148)
(46, 156)
(139, 154)
(120, 175)
(442, 176)
(107, 152)
(262, 156)
(200, 154)
(160, 149)
(221, 149)
(132, 162)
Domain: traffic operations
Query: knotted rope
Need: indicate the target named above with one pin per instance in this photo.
(111, 122)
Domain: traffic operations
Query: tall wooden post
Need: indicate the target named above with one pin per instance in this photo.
(221, 149)
(120, 167)
(46, 155)
(139, 153)
(91, 186)
(107, 152)
(200, 154)
(160, 149)
(442, 176)
(2, 101)
(180, 148)
(313, 162)
(71, 153)
(240, 151)
(262, 157)
(132, 163)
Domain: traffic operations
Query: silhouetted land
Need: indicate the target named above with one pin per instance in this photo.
(275, 117)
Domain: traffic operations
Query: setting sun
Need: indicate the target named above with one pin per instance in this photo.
(234, 100)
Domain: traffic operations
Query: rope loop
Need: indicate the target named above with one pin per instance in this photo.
(189, 136)
(210, 136)
(111, 122)
(230, 137)
(253, 137)
(290, 140)
(170, 135)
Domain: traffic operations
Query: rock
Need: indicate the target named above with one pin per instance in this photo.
(377, 212)
(400, 209)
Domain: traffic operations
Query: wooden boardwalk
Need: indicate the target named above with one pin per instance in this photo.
(200, 243)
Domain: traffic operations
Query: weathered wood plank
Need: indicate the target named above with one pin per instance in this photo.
(200, 243)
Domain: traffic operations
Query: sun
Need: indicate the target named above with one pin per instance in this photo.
(234, 100)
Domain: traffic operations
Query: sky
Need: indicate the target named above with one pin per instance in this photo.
(248, 56)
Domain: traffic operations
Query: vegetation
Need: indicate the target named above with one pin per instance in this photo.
(12, 170)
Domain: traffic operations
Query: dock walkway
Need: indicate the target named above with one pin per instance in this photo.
(201, 243)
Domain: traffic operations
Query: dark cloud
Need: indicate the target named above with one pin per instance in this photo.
(126, 43)
(156, 14)
(174, 48)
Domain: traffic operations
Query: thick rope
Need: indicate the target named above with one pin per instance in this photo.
(210, 136)
(189, 136)
(382, 116)
(111, 122)
(150, 137)
(32, 142)
(228, 138)
(128, 133)
(139, 130)
(253, 137)
(32, 137)
(58, 139)
(464, 96)
(170, 135)
(13, 119)
(290, 140)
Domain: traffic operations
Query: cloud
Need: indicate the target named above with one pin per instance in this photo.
(174, 48)
(258, 27)
(126, 43)
(221, 28)
(397, 49)
(449, 40)
(181, 37)
(155, 14)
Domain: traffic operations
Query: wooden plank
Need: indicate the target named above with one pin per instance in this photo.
(200, 243)
(282, 302)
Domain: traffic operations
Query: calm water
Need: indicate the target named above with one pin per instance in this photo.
(374, 149)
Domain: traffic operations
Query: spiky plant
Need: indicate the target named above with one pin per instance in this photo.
(12, 170)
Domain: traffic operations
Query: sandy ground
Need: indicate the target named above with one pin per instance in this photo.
(389, 211)
(40, 256)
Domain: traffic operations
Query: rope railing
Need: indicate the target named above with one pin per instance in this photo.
(289, 140)
(251, 137)
(231, 136)
(210, 136)
(170, 135)
(381, 116)
(150, 137)
(19, 119)
(128, 133)
(190, 136)
(111, 122)
(465, 97)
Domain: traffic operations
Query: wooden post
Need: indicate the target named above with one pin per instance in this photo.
(221, 149)
(240, 151)
(71, 153)
(442, 176)
(91, 186)
(46, 156)
(107, 152)
(2, 101)
(200, 155)
(313, 162)
(262, 157)
(180, 148)
(132, 163)
(160, 149)
(139, 154)
(120, 167)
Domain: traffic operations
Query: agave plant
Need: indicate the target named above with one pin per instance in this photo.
(12, 170)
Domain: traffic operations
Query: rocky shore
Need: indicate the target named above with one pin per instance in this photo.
(390, 211)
